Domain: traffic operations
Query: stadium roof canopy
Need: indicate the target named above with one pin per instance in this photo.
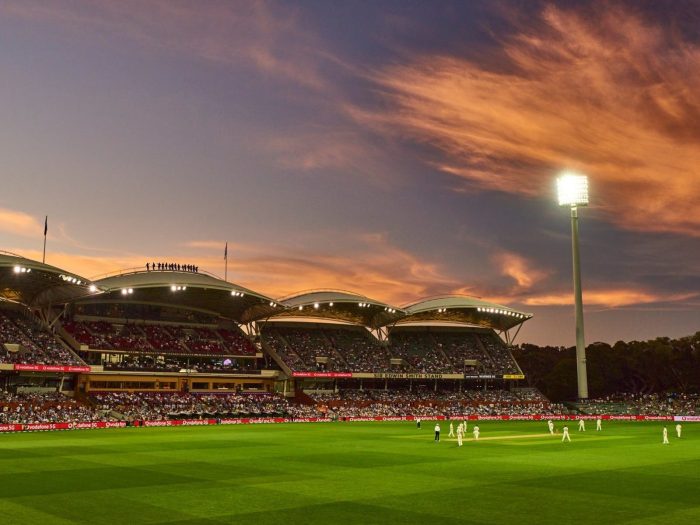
(340, 305)
(36, 284)
(197, 291)
(465, 309)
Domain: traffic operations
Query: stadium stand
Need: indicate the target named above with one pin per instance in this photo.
(35, 344)
(371, 403)
(361, 351)
(353, 349)
(419, 350)
(161, 406)
(648, 404)
(161, 339)
(503, 361)
(26, 408)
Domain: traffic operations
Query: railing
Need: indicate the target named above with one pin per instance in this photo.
(142, 269)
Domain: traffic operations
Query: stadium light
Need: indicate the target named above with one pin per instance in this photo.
(93, 288)
(572, 190)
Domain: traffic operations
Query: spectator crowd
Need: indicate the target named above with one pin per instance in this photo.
(26, 408)
(409, 351)
(35, 345)
(372, 403)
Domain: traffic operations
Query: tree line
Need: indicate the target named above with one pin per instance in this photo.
(642, 367)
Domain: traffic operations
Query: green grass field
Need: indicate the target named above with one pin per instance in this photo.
(350, 473)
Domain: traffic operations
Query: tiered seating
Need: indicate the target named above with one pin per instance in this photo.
(236, 342)
(307, 345)
(650, 404)
(275, 340)
(161, 339)
(351, 349)
(419, 350)
(370, 403)
(503, 361)
(175, 405)
(38, 346)
(128, 337)
(459, 346)
(360, 351)
(44, 408)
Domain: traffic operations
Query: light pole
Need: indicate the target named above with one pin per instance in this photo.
(573, 193)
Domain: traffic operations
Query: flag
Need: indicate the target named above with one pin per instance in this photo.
(46, 225)
(226, 252)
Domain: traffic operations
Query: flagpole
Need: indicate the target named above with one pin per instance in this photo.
(226, 262)
(46, 229)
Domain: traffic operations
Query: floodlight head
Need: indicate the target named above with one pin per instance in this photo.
(572, 190)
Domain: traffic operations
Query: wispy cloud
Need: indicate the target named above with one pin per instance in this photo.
(261, 34)
(524, 272)
(607, 93)
(19, 223)
(611, 298)
(374, 267)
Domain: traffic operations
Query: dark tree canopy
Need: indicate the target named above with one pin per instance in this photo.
(655, 366)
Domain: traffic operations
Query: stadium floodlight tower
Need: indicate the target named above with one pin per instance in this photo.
(573, 193)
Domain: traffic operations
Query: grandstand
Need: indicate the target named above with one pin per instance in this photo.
(168, 343)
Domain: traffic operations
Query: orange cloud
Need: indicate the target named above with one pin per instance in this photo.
(84, 265)
(608, 94)
(375, 268)
(518, 268)
(607, 298)
(20, 223)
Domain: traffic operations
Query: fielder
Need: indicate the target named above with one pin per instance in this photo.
(452, 430)
(581, 425)
(665, 442)
(550, 425)
(460, 433)
(598, 425)
(678, 430)
(565, 436)
(476, 433)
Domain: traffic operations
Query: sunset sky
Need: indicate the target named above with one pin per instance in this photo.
(397, 149)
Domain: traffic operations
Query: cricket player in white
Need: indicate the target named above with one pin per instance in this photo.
(665, 436)
(678, 429)
(598, 424)
(465, 425)
(550, 425)
(566, 436)
(581, 425)
(460, 433)
(476, 433)
(452, 431)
